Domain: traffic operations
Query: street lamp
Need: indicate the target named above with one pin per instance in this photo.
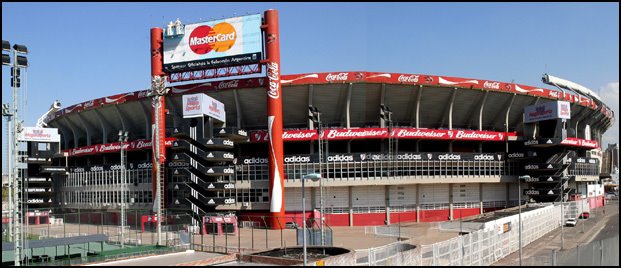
(123, 135)
(314, 177)
(315, 116)
(525, 178)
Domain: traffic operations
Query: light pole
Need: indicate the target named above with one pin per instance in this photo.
(19, 62)
(526, 178)
(562, 214)
(315, 116)
(314, 177)
(123, 135)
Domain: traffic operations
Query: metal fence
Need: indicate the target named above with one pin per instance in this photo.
(495, 241)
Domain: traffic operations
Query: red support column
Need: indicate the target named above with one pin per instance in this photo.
(157, 70)
(274, 120)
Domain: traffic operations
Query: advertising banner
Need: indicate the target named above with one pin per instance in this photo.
(367, 157)
(39, 134)
(114, 147)
(217, 43)
(197, 105)
(546, 111)
(380, 133)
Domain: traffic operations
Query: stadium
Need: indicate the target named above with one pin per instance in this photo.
(390, 147)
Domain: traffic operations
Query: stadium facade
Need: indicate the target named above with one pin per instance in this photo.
(394, 147)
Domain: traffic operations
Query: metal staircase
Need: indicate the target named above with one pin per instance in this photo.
(548, 181)
(209, 174)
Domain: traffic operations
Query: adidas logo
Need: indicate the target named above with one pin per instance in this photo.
(210, 186)
(210, 171)
(211, 202)
(222, 131)
(209, 142)
(210, 155)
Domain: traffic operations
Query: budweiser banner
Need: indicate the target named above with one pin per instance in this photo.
(380, 133)
(114, 147)
(580, 142)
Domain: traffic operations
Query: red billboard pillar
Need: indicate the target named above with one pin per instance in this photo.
(274, 120)
(157, 51)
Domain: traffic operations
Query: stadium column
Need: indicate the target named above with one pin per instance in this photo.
(157, 71)
(274, 120)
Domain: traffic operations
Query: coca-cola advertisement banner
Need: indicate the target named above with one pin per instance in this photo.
(379, 133)
(345, 77)
(114, 147)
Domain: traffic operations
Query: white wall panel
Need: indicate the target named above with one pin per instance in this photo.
(467, 192)
(494, 192)
(332, 197)
(293, 199)
(368, 196)
(513, 191)
(434, 193)
(401, 195)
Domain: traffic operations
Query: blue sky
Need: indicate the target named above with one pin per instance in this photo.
(83, 51)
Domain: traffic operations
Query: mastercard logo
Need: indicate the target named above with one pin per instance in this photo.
(221, 37)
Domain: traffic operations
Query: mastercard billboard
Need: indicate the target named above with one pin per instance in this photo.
(218, 43)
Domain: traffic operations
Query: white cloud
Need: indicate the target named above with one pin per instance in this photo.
(610, 96)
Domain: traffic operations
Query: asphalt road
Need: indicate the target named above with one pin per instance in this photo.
(603, 223)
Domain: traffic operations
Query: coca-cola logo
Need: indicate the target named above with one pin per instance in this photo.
(336, 77)
(408, 78)
(428, 79)
(229, 84)
(89, 104)
(492, 85)
(273, 76)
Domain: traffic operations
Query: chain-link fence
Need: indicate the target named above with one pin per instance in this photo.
(495, 241)
(253, 233)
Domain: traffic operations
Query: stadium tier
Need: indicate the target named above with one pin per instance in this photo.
(394, 147)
